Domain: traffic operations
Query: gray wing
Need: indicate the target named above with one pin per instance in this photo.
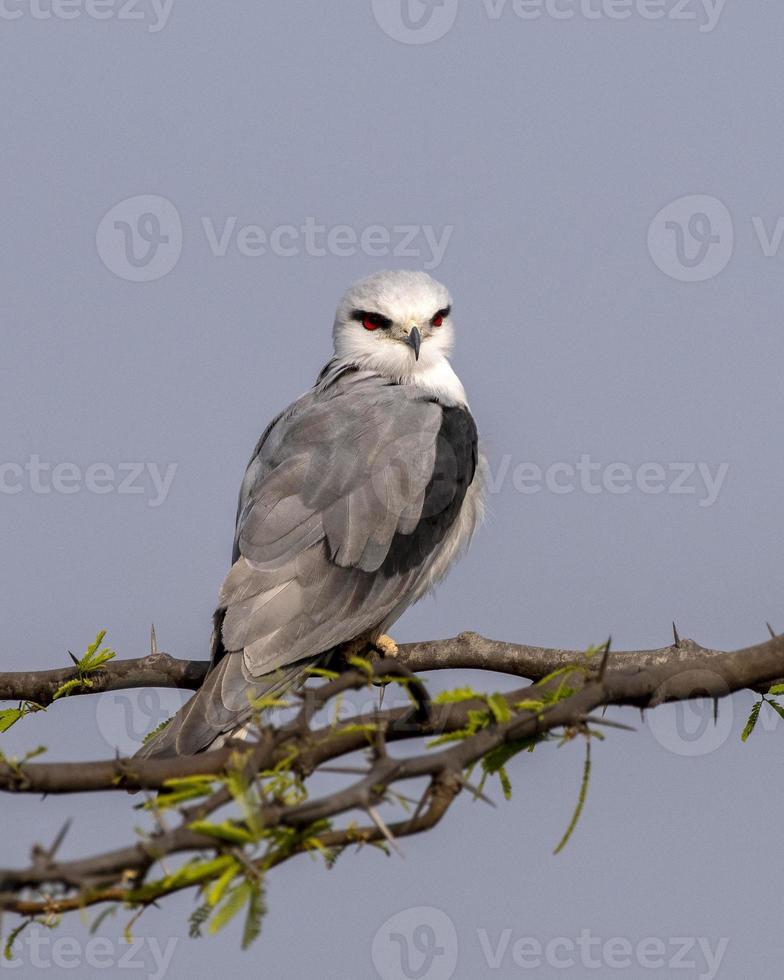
(336, 481)
(338, 520)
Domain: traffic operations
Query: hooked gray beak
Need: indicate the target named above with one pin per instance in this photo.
(414, 341)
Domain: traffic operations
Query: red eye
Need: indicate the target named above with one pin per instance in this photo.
(440, 316)
(374, 321)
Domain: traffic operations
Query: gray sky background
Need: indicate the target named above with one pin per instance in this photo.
(546, 147)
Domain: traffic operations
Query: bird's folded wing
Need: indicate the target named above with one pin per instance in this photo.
(343, 507)
(338, 480)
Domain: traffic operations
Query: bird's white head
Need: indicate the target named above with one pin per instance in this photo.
(399, 324)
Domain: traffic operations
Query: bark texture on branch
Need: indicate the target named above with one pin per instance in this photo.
(643, 679)
(465, 651)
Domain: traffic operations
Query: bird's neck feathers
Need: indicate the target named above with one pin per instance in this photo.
(439, 380)
(432, 372)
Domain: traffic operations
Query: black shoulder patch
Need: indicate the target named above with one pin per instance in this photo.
(455, 465)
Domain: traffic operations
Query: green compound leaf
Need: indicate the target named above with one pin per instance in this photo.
(65, 689)
(235, 901)
(456, 695)
(752, 722)
(580, 800)
(363, 664)
(155, 731)
(228, 831)
(197, 919)
(220, 885)
(257, 909)
(329, 675)
(93, 659)
(8, 949)
(10, 717)
(779, 709)
(499, 707)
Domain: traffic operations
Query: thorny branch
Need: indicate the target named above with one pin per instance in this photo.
(567, 688)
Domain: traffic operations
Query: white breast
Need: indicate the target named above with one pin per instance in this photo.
(438, 379)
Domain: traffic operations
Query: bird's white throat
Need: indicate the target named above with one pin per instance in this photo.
(432, 373)
(438, 378)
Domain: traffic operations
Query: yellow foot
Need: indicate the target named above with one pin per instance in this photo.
(386, 646)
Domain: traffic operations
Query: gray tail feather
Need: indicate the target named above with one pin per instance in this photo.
(220, 707)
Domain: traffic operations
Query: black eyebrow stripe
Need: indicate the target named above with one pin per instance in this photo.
(361, 314)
